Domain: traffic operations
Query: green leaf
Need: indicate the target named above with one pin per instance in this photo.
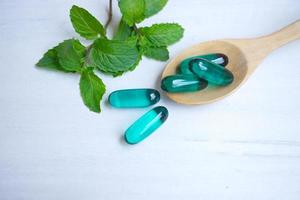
(71, 55)
(91, 89)
(154, 6)
(132, 10)
(86, 24)
(157, 53)
(160, 35)
(50, 61)
(114, 56)
(124, 31)
(133, 66)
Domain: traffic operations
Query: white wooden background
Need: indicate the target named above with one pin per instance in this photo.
(246, 146)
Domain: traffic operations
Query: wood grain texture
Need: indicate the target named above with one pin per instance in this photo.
(246, 146)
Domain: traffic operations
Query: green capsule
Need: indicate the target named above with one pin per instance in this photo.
(146, 125)
(217, 58)
(211, 72)
(133, 98)
(180, 83)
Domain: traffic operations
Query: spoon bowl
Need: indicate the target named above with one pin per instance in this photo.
(244, 56)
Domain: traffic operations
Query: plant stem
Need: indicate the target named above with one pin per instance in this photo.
(109, 14)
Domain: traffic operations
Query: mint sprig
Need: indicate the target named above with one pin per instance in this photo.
(113, 56)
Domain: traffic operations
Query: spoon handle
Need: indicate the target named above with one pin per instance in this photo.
(281, 37)
(256, 49)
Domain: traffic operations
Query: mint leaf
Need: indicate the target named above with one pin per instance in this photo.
(86, 24)
(160, 35)
(131, 68)
(71, 55)
(157, 53)
(91, 89)
(114, 56)
(50, 61)
(132, 10)
(154, 6)
(124, 31)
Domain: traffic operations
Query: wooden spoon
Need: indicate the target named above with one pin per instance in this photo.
(244, 56)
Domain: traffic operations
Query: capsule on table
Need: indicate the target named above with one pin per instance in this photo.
(146, 125)
(211, 72)
(180, 83)
(217, 58)
(133, 98)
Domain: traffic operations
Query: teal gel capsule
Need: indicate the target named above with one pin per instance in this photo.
(146, 125)
(211, 72)
(133, 98)
(180, 83)
(217, 58)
